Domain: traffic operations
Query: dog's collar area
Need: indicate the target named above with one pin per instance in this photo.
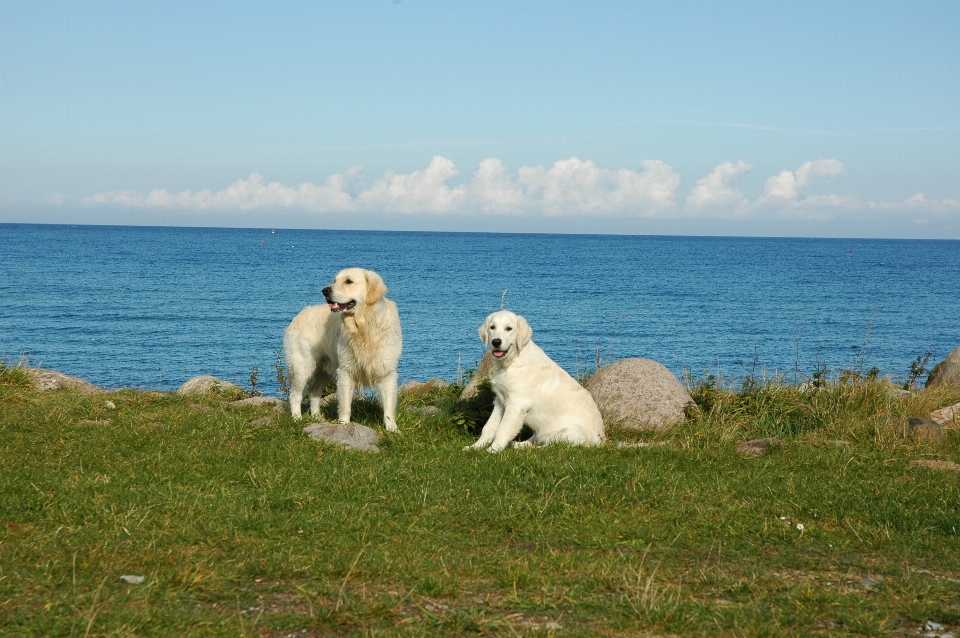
(499, 354)
(341, 307)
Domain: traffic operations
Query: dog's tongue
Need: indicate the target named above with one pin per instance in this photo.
(335, 307)
(499, 353)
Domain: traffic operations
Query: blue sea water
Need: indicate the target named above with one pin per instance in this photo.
(153, 306)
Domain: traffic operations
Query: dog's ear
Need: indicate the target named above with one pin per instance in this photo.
(484, 331)
(524, 332)
(376, 289)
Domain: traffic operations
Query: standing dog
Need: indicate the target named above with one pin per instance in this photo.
(531, 389)
(356, 335)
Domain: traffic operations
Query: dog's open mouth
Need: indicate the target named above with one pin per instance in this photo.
(499, 354)
(341, 307)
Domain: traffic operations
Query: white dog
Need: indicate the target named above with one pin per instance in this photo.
(356, 335)
(531, 389)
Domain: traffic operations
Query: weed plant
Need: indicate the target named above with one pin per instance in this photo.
(242, 526)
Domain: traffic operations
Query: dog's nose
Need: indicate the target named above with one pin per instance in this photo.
(326, 291)
(495, 343)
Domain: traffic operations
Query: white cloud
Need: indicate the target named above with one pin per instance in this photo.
(244, 194)
(574, 186)
(568, 187)
(417, 192)
(495, 190)
(786, 186)
(718, 188)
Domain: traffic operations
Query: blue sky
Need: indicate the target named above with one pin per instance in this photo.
(737, 118)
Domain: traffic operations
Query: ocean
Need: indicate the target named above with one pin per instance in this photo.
(151, 307)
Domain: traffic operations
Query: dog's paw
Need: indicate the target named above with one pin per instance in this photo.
(494, 449)
(392, 427)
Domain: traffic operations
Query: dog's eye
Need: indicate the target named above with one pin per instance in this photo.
(508, 328)
(348, 281)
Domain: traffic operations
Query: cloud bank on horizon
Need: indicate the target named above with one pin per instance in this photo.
(570, 187)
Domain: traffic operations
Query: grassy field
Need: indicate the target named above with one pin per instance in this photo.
(242, 526)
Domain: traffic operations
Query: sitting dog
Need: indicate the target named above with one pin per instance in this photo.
(356, 335)
(531, 389)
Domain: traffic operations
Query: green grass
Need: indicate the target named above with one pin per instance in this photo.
(256, 530)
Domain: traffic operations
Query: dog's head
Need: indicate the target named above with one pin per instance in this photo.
(354, 287)
(505, 333)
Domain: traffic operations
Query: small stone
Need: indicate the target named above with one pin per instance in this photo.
(52, 380)
(426, 410)
(256, 401)
(205, 384)
(415, 389)
(932, 626)
(839, 443)
(949, 415)
(935, 464)
(131, 579)
(110, 405)
(350, 435)
(924, 430)
(757, 447)
(409, 386)
(870, 583)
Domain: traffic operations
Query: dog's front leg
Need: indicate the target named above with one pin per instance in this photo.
(510, 426)
(490, 429)
(344, 395)
(388, 397)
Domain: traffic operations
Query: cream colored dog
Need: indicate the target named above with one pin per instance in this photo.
(531, 389)
(356, 335)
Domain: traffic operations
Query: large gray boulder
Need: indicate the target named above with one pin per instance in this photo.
(53, 380)
(639, 394)
(350, 435)
(205, 384)
(947, 372)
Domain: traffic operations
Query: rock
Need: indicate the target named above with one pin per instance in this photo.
(110, 405)
(757, 447)
(426, 410)
(485, 371)
(935, 464)
(53, 380)
(206, 384)
(256, 401)
(409, 386)
(924, 430)
(350, 435)
(870, 583)
(131, 579)
(947, 372)
(639, 394)
(416, 390)
(949, 415)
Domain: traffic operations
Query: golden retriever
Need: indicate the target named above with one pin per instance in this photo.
(532, 389)
(355, 336)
